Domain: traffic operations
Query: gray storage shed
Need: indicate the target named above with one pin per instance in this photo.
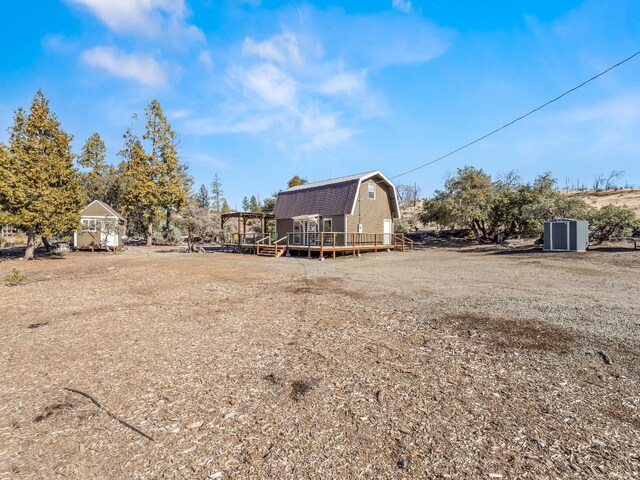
(566, 235)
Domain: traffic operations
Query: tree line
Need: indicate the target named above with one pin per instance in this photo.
(508, 206)
(43, 185)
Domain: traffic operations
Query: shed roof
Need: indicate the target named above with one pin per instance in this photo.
(329, 197)
(109, 211)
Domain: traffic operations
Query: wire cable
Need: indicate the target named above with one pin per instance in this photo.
(479, 139)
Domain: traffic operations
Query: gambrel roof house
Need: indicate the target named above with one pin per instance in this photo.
(365, 203)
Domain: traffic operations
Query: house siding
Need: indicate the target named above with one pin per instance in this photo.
(95, 210)
(92, 239)
(371, 213)
(284, 226)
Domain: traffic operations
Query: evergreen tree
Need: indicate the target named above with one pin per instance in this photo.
(217, 195)
(144, 192)
(246, 204)
(95, 181)
(254, 206)
(202, 197)
(268, 204)
(172, 178)
(39, 188)
(225, 207)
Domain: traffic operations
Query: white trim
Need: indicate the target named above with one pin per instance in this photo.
(375, 190)
(367, 177)
(386, 236)
(346, 228)
(98, 216)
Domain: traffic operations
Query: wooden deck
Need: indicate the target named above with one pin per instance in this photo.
(320, 244)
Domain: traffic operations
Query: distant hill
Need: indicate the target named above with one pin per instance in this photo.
(599, 198)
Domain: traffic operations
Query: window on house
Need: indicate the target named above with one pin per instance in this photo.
(88, 224)
(326, 225)
(372, 191)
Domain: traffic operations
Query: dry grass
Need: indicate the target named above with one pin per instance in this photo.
(443, 363)
(630, 198)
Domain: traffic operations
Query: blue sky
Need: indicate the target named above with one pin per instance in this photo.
(262, 90)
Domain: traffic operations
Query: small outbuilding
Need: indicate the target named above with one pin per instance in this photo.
(566, 235)
(101, 227)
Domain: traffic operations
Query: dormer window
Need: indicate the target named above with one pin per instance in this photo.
(372, 191)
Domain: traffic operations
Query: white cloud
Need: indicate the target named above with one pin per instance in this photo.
(58, 43)
(205, 59)
(621, 111)
(144, 69)
(178, 114)
(269, 83)
(305, 88)
(404, 5)
(215, 126)
(149, 18)
(282, 49)
(323, 130)
(206, 159)
(343, 83)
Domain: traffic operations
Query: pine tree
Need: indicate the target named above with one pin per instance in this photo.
(217, 195)
(225, 207)
(246, 204)
(173, 180)
(144, 193)
(254, 206)
(202, 197)
(39, 188)
(95, 181)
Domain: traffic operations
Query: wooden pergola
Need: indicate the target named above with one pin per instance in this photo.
(243, 217)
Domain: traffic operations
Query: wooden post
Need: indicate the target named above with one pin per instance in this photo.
(321, 244)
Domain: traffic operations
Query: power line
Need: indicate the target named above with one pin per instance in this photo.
(520, 117)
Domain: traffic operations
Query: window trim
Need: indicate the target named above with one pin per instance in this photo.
(370, 191)
(89, 224)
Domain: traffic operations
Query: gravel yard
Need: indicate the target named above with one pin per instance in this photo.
(439, 363)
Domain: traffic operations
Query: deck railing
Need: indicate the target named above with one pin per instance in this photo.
(263, 241)
(341, 239)
(346, 239)
(402, 241)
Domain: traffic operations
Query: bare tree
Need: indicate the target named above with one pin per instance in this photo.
(598, 181)
(509, 179)
(613, 175)
(408, 193)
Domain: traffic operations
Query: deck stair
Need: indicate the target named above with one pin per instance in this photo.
(267, 248)
(271, 251)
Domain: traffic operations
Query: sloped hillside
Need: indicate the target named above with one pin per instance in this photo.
(630, 198)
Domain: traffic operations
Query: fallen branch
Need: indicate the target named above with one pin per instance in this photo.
(97, 404)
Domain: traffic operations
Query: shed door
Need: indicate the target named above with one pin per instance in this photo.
(560, 236)
(112, 239)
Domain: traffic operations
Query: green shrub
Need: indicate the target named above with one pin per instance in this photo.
(15, 277)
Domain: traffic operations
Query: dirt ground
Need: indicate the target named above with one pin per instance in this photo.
(439, 363)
